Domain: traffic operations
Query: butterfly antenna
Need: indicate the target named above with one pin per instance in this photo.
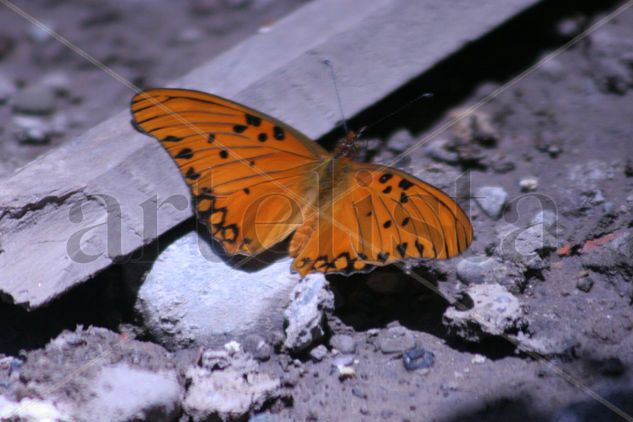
(398, 110)
(328, 63)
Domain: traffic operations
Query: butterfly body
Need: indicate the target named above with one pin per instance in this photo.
(255, 181)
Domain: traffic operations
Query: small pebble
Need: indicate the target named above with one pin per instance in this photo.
(400, 140)
(232, 347)
(528, 184)
(36, 100)
(343, 343)
(418, 358)
(584, 284)
(359, 393)
(318, 353)
(258, 347)
(492, 200)
(478, 359)
(59, 82)
(345, 372)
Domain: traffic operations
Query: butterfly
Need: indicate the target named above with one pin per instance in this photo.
(255, 181)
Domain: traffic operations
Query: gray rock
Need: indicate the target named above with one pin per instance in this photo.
(58, 82)
(547, 218)
(438, 150)
(584, 284)
(191, 297)
(258, 347)
(525, 245)
(491, 199)
(481, 269)
(343, 343)
(418, 358)
(495, 312)
(400, 140)
(318, 353)
(614, 256)
(304, 318)
(395, 340)
(228, 384)
(119, 380)
(38, 100)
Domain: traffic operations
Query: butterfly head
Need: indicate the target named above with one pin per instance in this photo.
(348, 146)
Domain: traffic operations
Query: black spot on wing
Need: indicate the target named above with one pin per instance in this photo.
(404, 184)
(262, 137)
(185, 153)
(211, 138)
(387, 224)
(224, 154)
(192, 174)
(419, 247)
(385, 177)
(239, 128)
(387, 189)
(382, 256)
(402, 249)
(171, 138)
(253, 120)
(279, 133)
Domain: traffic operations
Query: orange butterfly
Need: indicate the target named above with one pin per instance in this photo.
(255, 180)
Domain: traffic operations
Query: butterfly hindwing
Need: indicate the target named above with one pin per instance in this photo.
(380, 215)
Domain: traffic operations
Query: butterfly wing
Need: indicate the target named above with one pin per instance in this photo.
(379, 215)
(245, 169)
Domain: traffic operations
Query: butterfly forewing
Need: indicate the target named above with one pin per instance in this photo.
(250, 175)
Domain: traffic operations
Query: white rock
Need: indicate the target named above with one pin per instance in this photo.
(31, 410)
(495, 312)
(191, 297)
(227, 387)
(123, 393)
(491, 199)
(305, 316)
(528, 184)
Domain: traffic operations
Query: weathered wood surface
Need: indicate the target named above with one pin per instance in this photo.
(69, 214)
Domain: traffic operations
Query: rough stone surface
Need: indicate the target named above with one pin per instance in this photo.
(119, 379)
(343, 343)
(227, 385)
(495, 312)
(191, 297)
(491, 199)
(305, 316)
(482, 269)
(318, 353)
(286, 58)
(395, 340)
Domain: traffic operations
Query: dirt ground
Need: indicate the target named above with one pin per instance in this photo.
(558, 141)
